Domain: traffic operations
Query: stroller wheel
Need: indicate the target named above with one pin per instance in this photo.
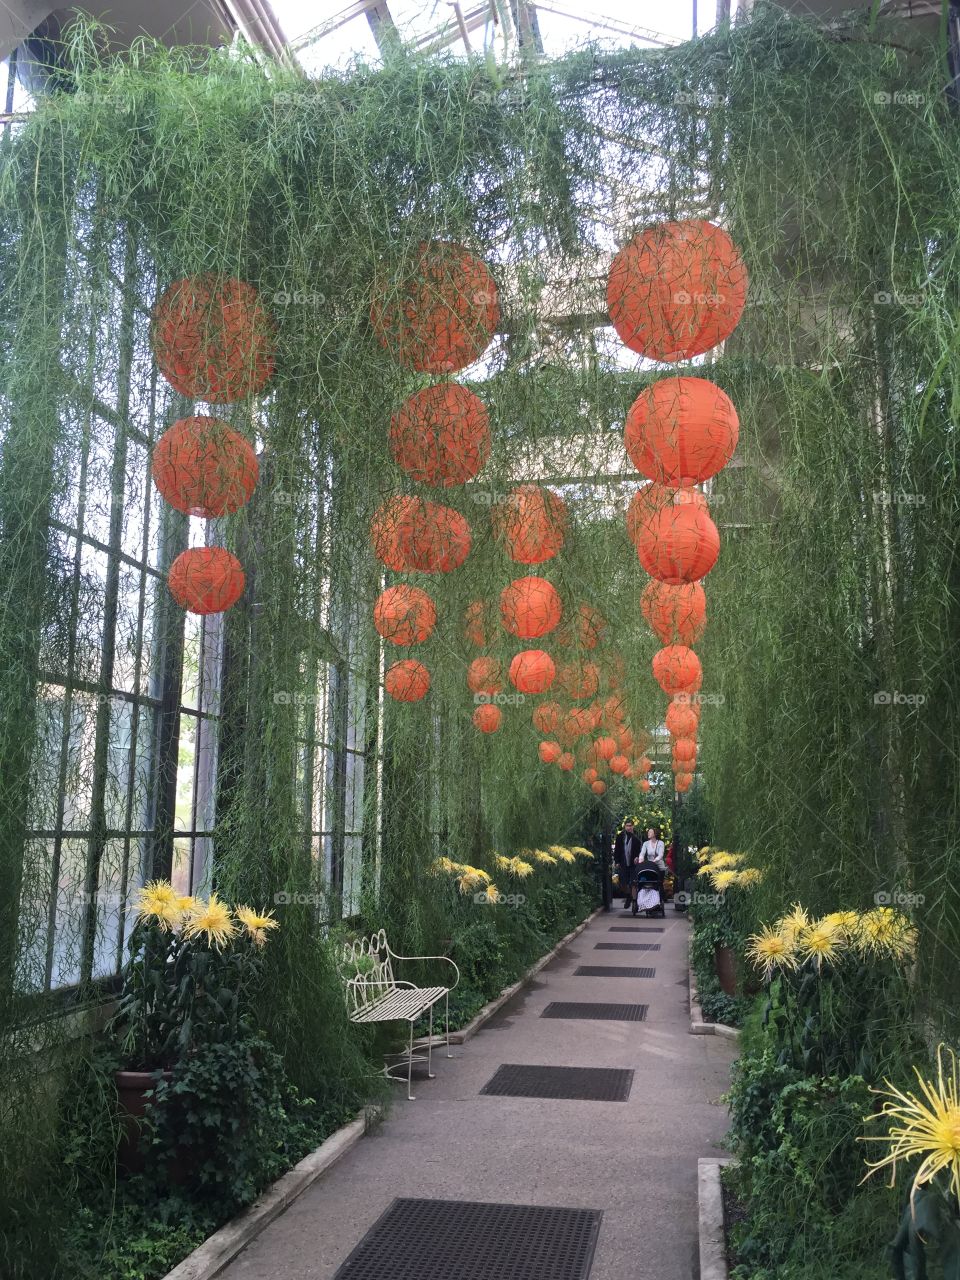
(634, 909)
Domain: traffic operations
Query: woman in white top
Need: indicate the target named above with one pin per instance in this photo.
(652, 849)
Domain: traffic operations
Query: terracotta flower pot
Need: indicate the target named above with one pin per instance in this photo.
(132, 1090)
(725, 963)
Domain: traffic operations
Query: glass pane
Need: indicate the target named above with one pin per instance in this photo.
(181, 865)
(205, 816)
(352, 852)
(119, 748)
(33, 922)
(185, 767)
(69, 914)
(98, 486)
(78, 783)
(143, 782)
(211, 656)
(45, 769)
(109, 909)
(127, 646)
(190, 683)
(89, 641)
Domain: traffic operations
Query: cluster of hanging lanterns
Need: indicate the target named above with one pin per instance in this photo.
(213, 341)
(674, 292)
(437, 315)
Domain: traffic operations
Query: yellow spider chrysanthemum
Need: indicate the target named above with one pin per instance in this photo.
(159, 902)
(212, 918)
(446, 866)
(819, 942)
(846, 923)
(492, 893)
(793, 925)
(514, 866)
(560, 851)
(750, 876)
(721, 860)
(926, 1124)
(770, 949)
(256, 923)
(502, 863)
(472, 879)
(545, 859)
(580, 851)
(724, 879)
(885, 932)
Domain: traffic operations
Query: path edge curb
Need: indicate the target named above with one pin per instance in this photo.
(698, 1027)
(712, 1234)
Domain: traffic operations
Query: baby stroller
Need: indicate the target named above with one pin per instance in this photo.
(649, 890)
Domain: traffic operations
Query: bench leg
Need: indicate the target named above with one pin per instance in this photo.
(410, 1065)
(431, 1075)
(447, 998)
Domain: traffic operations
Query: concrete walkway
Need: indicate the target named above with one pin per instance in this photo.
(635, 1160)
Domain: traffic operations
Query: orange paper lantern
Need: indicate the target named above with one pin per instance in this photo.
(532, 671)
(487, 717)
(441, 435)
(679, 542)
(549, 752)
(606, 748)
(531, 523)
(644, 784)
(619, 764)
(213, 339)
(676, 290)
(598, 787)
(484, 675)
(675, 614)
(566, 761)
(203, 467)
(530, 607)
(685, 749)
(683, 781)
(404, 615)
(590, 775)
(407, 681)
(439, 312)
(578, 679)
(681, 720)
(546, 717)
(477, 627)
(681, 431)
(677, 669)
(415, 533)
(206, 580)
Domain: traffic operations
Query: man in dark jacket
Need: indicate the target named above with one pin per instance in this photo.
(626, 850)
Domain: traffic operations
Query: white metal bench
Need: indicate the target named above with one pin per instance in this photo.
(374, 994)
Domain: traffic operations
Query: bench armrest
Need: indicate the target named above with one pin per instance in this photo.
(445, 959)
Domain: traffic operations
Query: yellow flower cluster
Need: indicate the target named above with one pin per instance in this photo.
(725, 872)
(796, 939)
(580, 851)
(562, 852)
(211, 919)
(545, 859)
(469, 879)
(513, 866)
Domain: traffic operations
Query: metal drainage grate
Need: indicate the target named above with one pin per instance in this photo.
(611, 971)
(626, 946)
(440, 1239)
(634, 928)
(586, 1084)
(598, 1012)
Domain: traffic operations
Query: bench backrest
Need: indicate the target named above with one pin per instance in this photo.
(367, 970)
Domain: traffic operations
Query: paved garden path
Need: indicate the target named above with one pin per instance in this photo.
(634, 1160)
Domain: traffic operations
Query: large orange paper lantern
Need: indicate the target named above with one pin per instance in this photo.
(619, 764)
(676, 290)
(213, 339)
(477, 627)
(677, 669)
(566, 761)
(675, 613)
(681, 431)
(682, 782)
(679, 543)
(203, 467)
(441, 435)
(206, 580)
(531, 523)
(439, 312)
(685, 749)
(546, 717)
(484, 675)
(404, 615)
(415, 533)
(578, 679)
(598, 787)
(578, 722)
(530, 607)
(606, 748)
(487, 717)
(549, 752)
(532, 671)
(407, 681)
(681, 720)
(590, 775)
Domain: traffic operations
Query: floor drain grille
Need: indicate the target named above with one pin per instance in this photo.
(611, 971)
(586, 1084)
(626, 946)
(442, 1239)
(596, 1012)
(635, 928)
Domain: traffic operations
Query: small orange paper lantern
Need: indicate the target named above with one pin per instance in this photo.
(532, 523)
(532, 671)
(546, 717)
(578, 722)
(203, 467)
(681, 431)
(677, 669)
(476, 623)
(487, 717)
(407, 681)
(644, 764)
(578, 680)
(549, 752)
(213, 339)
(685, 749)
(566, 761)
(530, 607)
(590, 775)
(606, 748)
(619, 764)
(644, 784)
(441, 435)
(650, 500)
(675, 614)
(676, 290)
(414, 533)
(613, 710)
(206, 580)
(439, 312)
(681, 720)
(624, 739)
(680, 543)
(598, 787)
(683, 781)
(484, 675)
(404, 615)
